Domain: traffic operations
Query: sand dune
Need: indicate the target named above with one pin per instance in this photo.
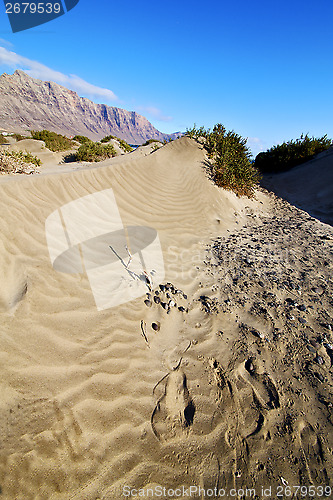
(199, 393)
(308, 186)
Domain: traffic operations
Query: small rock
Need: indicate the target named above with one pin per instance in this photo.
(302, 321)
(148, 303)
(156, 326)
(157, 300)
(302, 307)
(181, 309)
(319, 360)
(311, 349)
(249, 366)
(314, 344)
(164, 305)
(258, 334)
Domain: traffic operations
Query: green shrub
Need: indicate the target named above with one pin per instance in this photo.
(108, 138)
(94, 151)
(155, 147)
(53, 141)
(18, 137)
(196, 133)
(150, 141)
(82, 139)
(25, 156)
(231, 165)
(18, 162)
(290, 154)
(124, 146)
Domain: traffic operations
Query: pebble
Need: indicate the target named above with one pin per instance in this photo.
(157, 300)
(164, 305)
(258, 334)
(156, 326)
(302, 320)
(302, 307)
(249, 366)
(319, 360)
(148, 303)
(311, 349)
(182, 309)
(172, 303)
(314, 344)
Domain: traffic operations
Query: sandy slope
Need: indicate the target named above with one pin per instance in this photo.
(89, 405)
(308, 186)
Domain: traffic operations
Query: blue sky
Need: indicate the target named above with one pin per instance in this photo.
(264, 69)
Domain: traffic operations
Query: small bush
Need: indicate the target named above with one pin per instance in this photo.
(289, 154)
(124, 146)
(95, 152)
(82, 139)
(196, 133)
(2, 139)
(231, 165)
(53, 141)
(18, 162)
(18, 137)
(108, 138)
(25, 157)
(150, 141)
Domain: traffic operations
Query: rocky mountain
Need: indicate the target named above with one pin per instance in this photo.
(30, 104)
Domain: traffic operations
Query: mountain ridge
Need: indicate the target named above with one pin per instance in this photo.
(27, 103)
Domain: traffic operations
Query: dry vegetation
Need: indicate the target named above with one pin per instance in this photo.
(18, 163)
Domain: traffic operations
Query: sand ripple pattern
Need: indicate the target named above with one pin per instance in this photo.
(88, 404)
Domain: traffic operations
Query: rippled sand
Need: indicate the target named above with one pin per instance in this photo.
(90, 405)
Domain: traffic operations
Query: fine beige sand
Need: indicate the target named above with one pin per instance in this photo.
(228, 386)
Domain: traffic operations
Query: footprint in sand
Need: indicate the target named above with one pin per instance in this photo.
(312, 457)
(174, 411)
(255, 394)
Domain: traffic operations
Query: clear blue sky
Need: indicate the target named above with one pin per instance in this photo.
(262, 68)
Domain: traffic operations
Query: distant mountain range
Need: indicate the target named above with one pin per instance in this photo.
(30, 104)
